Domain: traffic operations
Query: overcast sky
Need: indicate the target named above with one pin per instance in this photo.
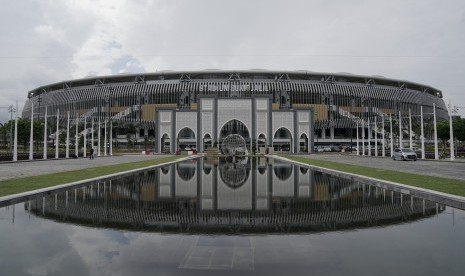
(48, 41)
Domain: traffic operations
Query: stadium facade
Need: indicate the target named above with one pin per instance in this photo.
(287, 110)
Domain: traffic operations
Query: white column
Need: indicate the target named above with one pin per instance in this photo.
(31, 135)
(76, 139)
(57, 135)
(363, 137)
(92, 134)
(111, 137)
(436, 150)
(376, 137)
(400, 131)
(452, 149)
(67, 137)
(358, 146)
(422, 134)
(105, 140)
(45, 134)
(384, 140)
(84, 154)
(410, 127)
(369, 137)
(391, 135)
(15, 143)
(98, 138)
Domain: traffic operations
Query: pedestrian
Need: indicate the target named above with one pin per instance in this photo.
(91, 153)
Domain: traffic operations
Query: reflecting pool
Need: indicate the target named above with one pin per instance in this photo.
(252, 217)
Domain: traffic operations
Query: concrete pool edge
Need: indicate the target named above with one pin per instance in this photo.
(21, 197)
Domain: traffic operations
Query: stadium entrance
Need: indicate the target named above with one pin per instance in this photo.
(254, 119)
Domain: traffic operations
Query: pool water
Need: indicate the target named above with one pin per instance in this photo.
(209, 216)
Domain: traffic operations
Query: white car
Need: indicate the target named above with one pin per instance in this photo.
(404, 154)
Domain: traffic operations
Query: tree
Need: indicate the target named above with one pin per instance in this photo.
(443, 130)
(459, 129)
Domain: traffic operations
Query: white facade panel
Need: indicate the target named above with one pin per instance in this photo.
(239, 109)
(186, 119)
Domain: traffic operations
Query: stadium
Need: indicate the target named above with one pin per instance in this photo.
(293, 111)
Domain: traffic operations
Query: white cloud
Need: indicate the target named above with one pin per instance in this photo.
(49, 41)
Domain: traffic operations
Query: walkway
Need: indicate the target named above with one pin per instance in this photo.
(12, 170)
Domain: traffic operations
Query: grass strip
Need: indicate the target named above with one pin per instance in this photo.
(20, 185)
(445, 185)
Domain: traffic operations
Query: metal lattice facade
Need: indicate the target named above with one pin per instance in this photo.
(337, 100)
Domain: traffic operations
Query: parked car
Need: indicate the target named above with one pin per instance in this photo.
(404, 154)
(327, 149)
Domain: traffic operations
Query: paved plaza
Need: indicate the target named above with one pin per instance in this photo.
(10, 170)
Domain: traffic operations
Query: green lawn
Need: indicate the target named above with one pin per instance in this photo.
(445, 185)
(14, 186)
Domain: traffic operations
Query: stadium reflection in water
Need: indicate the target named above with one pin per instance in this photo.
(249, 196)
(211, 217)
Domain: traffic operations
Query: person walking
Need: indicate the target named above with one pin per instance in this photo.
(91, 153)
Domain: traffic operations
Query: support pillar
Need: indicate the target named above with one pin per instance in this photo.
(400, 131)
(92, 134)
(358, 144)
(369, 137)
(410, 128)
(57, 135)
(436, 150)
(76, 139)
(391, 135)
(45, 135)
(363, 138)
(376, 138)
(105, 139)
(98, 138)
(452, 149)
(422, 134)
(111, 138)
(84, 154)
(15, 143)
(31, 135)
(67, 137)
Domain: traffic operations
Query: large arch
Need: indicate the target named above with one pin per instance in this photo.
(186, 139)
(282, 140)
(235, 126)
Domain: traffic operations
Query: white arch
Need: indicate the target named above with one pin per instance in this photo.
(291, 144)
(232, 119)
(290, 132)
(177, 146)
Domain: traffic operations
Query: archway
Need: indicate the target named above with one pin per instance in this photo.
(235, 127)
(165, 144)
(282, 140)
(261, 141)
(207, 141)
(186, 139)
(303, 143)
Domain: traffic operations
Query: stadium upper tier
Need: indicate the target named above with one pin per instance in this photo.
(338, 100)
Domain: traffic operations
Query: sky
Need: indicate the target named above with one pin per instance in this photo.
(48, 41)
